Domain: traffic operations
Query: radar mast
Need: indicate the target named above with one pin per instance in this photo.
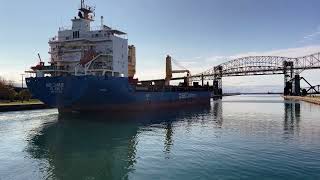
(86, 11)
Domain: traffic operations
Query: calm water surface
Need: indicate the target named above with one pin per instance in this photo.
(241, 137)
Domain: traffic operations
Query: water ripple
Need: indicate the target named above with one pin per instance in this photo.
(241, 137)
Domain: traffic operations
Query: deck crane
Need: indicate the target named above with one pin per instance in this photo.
(169, 72)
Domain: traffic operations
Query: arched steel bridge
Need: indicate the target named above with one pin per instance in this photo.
(261, 65)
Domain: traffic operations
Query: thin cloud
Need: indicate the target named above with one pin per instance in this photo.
(290, 52)
(312, 36)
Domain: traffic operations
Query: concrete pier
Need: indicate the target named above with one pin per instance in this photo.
(314, 100)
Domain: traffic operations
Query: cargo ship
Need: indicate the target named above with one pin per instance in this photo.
(93, 69)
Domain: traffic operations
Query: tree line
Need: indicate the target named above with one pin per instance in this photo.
(8, 92)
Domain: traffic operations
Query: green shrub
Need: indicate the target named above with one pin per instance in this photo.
(24, 95)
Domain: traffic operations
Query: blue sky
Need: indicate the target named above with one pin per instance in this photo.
(197, 33)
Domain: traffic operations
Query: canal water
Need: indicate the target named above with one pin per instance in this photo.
(240, 137)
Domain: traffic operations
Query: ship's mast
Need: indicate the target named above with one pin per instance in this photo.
(85, 11)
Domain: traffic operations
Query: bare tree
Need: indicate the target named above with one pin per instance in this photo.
(7, 91)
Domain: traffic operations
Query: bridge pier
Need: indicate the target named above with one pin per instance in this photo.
(296, 87)
(291, 81)
(217, 82)
(288, 76)
(217, 87)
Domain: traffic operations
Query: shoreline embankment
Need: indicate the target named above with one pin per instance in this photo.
(313, 100)
(22, 107)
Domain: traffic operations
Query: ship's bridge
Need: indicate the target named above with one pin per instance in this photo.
(67, 34)
(82, 49)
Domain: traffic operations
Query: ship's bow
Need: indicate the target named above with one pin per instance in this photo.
(56, 92)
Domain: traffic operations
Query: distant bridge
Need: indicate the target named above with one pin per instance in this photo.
(263, 65)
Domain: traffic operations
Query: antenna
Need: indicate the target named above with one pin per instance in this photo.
(82, 3)
(101, 22)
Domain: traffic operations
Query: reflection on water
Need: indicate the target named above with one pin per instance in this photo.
(98, 147)
(217, 112)
(241, 137)
(79, 149)
(291, 117)
(169, 133)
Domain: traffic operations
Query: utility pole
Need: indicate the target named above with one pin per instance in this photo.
(22, 80)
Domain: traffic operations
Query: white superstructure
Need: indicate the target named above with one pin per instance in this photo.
(84, 50)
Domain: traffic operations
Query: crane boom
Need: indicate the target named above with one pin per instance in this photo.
(39, 57)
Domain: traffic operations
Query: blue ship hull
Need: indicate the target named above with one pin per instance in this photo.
(95, 93)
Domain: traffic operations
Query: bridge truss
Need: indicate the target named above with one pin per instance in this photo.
(262, 65)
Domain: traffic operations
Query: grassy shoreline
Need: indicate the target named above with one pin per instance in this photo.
(14, 103)
(19, 106)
